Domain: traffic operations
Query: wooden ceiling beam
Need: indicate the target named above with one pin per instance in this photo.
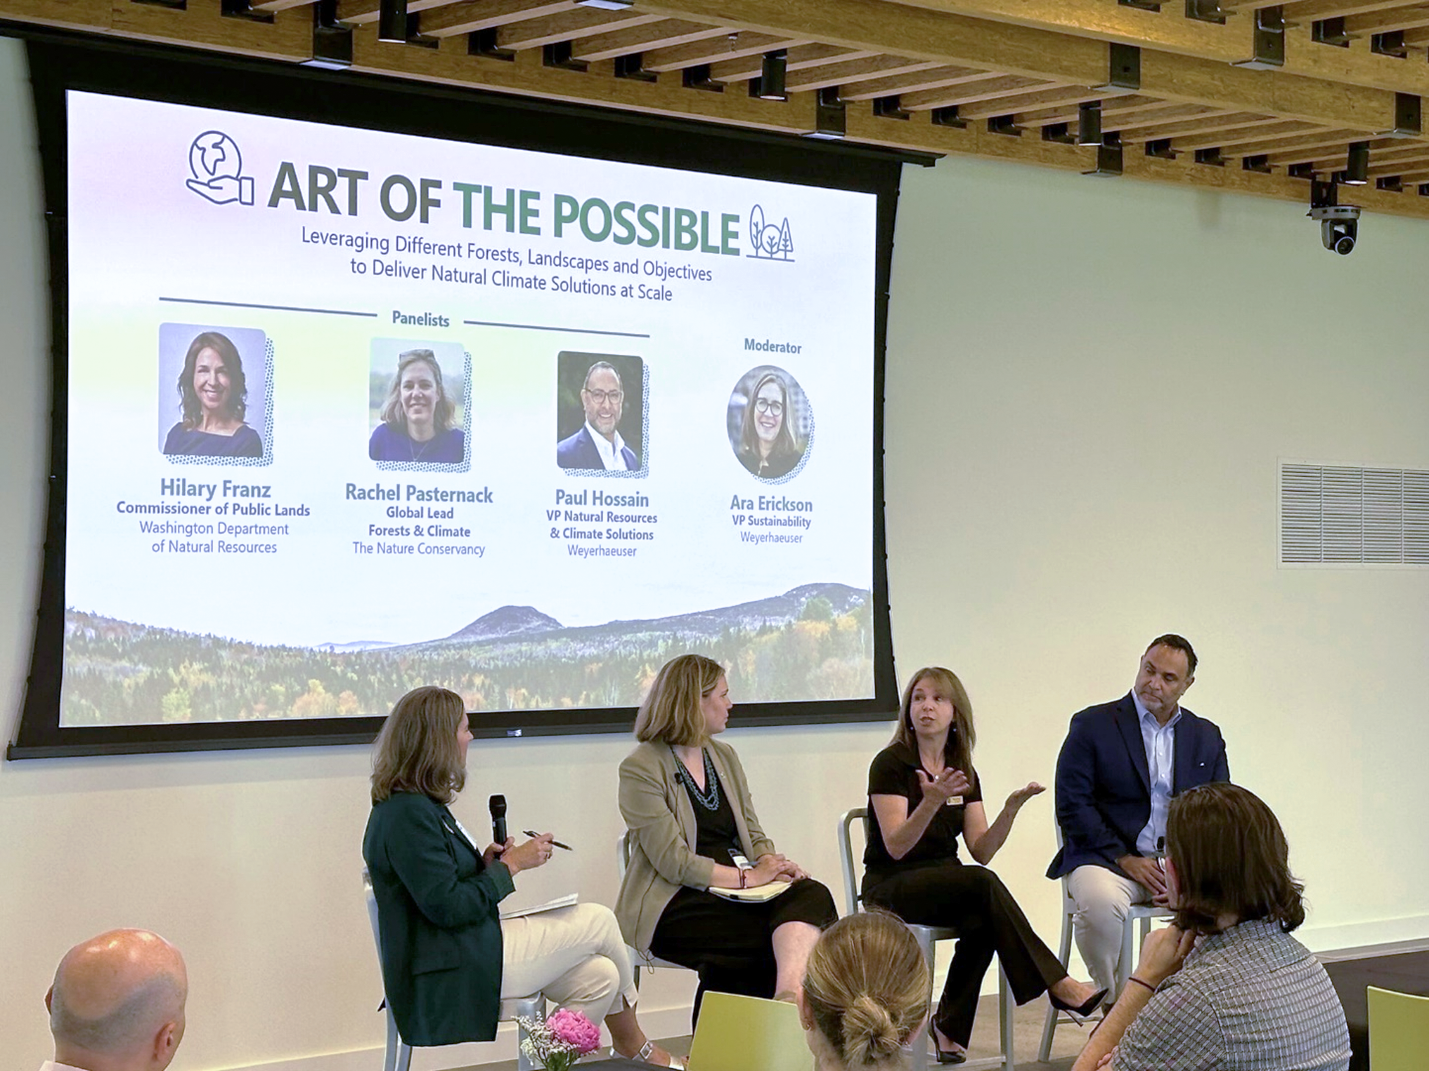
(1114, 118)
(857, 73)
(1228, 140)
(801, 58)
(1017, 104)
(280, 5)
(525, 76)
(936, 78)
(736, 45)
(289, 37)
(477, 14)
(1189, 38)
(1399, 167)
(1193, 127)
(1056, 57)
(928, 99)
(1399, 18)
(1314, 149)
(975, 140)
(665, 34)
(1130, 103)
(567, 26)
(1307, 11)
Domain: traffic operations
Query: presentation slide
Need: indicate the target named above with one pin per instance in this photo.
(352, 411)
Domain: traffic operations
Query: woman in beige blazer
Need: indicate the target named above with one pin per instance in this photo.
(691, 827)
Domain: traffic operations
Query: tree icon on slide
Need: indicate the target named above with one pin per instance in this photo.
(217, 168)
(771, 241)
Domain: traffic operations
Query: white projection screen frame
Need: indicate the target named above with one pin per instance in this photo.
(426, 387)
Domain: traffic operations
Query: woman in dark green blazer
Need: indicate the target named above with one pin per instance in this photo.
(447, 955)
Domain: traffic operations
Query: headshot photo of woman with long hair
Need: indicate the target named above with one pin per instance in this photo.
(769, 444)
(418, 415)
(213, 394)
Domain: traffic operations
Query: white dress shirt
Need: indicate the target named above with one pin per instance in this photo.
(610, 451)
(1160, 743)
(50, 1065)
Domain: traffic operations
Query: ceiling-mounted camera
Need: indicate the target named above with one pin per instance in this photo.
(1339, 224)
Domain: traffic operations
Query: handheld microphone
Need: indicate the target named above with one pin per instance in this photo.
(498, 819)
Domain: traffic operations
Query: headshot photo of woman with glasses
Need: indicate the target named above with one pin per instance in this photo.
(773, 421)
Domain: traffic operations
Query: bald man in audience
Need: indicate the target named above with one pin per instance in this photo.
(118, 1004)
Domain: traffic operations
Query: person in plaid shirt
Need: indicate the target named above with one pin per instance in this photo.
(1225, 987)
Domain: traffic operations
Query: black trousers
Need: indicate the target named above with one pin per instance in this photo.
(730, 945)
(972, 900)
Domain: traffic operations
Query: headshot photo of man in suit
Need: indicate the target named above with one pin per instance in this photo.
(597, 445)
(1118, 769)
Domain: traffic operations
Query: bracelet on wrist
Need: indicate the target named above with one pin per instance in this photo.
(1141, 981)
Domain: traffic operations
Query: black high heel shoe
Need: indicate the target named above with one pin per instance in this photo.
(946, 1056)
(1080, 1013)
(949, 1056)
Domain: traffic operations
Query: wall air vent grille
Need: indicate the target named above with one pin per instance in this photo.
(1341, 515)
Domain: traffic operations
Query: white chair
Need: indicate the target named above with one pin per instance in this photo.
(639, 959)
(1139, 915)
(927, 937)
(399, 1054)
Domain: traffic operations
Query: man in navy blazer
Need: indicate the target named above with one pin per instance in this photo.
(597, 443)
(1119, 767)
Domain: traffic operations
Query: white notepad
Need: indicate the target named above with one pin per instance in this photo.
(550, 905)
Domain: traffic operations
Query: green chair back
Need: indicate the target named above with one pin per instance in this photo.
(737, 1033)
(1398, 1031)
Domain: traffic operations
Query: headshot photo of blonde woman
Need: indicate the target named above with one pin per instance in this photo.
(417, 403)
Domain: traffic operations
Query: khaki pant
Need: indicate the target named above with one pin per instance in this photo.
(574, 955)
(1103, 900)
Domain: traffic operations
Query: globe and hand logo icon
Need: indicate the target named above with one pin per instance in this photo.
(217, 168)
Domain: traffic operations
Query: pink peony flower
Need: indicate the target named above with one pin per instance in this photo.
(575, 1030)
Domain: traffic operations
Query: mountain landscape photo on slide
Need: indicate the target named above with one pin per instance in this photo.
(813, 642)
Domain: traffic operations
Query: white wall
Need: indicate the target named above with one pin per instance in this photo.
(1089, 385)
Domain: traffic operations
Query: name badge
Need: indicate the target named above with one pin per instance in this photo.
(954, 801)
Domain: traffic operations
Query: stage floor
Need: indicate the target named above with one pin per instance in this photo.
(1407, 972)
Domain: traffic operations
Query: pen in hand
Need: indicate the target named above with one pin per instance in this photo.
(554, 843)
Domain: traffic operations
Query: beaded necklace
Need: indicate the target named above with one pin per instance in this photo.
(709, 798)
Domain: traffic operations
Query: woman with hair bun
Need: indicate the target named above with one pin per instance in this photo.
(865, 994)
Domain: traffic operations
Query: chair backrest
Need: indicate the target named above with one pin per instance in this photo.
(1069, 905)
(622, 854)
(852, 897)
(372, 913)
(1398, 1030)
(738, 1033)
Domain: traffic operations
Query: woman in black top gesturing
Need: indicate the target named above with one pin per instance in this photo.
(923, 792)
